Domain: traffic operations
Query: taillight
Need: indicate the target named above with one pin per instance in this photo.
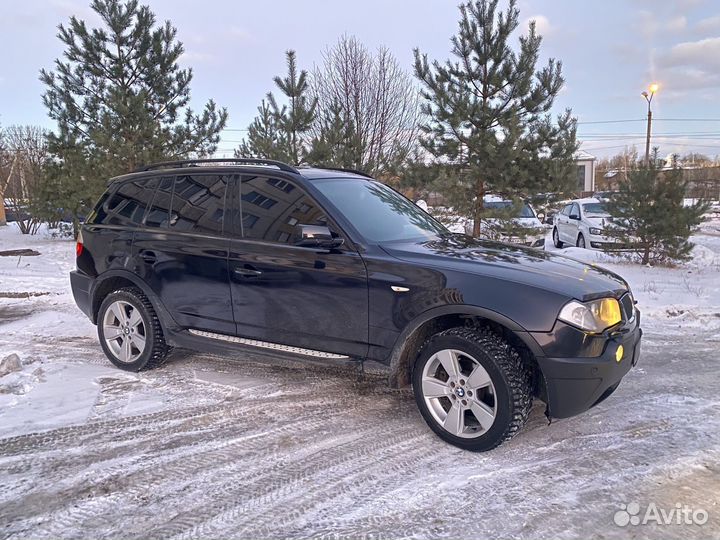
(79, 245)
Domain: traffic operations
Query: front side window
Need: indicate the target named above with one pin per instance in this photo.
(273, 208)
(379, 213)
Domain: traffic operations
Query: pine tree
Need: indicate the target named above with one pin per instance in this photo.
(649, 213)
(336, 143)
(488, 113)
(281, 131)
(120, 100)
(264, 138)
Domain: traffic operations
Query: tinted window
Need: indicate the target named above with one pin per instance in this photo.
(160, 210)
(198, 203)
(523, 212)
(379, 213)
(128, 204)
(272, 209)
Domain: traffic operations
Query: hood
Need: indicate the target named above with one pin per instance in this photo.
(598, 221)
(535, 268)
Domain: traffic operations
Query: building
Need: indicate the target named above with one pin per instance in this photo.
(585, 164)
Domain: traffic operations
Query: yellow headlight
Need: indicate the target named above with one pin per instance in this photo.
(619, 353)
(593, 316)
(608, 311)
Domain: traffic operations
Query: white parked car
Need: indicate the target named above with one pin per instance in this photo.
(582, 223)
(533, 232)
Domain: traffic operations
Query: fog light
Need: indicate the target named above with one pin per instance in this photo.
(619, 353)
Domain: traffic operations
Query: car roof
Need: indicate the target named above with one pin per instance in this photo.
(586, 200)
(220, 166)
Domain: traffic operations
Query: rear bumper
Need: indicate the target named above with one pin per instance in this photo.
(81, 285)
(574, 385)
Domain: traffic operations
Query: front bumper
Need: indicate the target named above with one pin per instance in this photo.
(575, 384)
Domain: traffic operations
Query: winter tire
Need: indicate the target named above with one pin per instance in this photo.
(130, 332)
(472, 388)
(580, 241)
(556, 239)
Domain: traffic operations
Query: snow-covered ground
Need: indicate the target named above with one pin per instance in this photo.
(255, 446)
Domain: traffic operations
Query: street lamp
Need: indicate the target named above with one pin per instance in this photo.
(648, 97)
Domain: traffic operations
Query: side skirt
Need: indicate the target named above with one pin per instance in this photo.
(267, 345)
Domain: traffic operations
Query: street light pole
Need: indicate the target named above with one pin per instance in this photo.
(648, 97)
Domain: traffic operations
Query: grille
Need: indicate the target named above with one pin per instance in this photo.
(627, 305)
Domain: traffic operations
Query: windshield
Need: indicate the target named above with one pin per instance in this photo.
(379, 213)
(595, 209)
(524, 212)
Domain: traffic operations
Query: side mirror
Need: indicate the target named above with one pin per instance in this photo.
(575, 217)
(317, 237)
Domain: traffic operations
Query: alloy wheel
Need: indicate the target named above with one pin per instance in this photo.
(459, 393)
(124, 331)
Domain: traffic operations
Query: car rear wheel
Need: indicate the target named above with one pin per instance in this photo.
(580, 241)
(472, 388)
(556, 239)
(130, 332)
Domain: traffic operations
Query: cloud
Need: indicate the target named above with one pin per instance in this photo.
(710, 24)
(542, 24)
(651, 24)
(704, 53)
(676, 24)
(196, 57)
(690, 65)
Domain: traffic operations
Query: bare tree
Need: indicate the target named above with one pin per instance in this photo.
(374, 97)
(6, 166)
(25, 148)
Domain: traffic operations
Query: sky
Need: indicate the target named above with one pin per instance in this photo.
(611, 51)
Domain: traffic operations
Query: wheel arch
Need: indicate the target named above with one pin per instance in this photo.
(419, 330)
(117, 279)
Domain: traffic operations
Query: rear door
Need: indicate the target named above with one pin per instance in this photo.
(182, 253)
(282, 293)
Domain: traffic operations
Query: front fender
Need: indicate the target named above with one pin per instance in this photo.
(408, 339)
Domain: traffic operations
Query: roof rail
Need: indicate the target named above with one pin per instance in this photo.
(195, 162)
(354, 171)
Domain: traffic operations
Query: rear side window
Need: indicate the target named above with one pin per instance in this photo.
(127, 206)
(198, 203)
(272, 209)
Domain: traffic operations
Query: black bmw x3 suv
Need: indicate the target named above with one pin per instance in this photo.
(215, 254)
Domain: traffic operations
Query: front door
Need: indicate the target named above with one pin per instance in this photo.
(180, 251)
(282, 293)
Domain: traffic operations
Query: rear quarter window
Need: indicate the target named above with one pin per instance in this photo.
(127, 206)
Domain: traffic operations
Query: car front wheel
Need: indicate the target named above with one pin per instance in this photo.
(556, 239)
(581, 241)
(472, 388)
(130, 332)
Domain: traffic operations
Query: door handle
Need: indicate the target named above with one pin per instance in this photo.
(148, 256)
(247, 272)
